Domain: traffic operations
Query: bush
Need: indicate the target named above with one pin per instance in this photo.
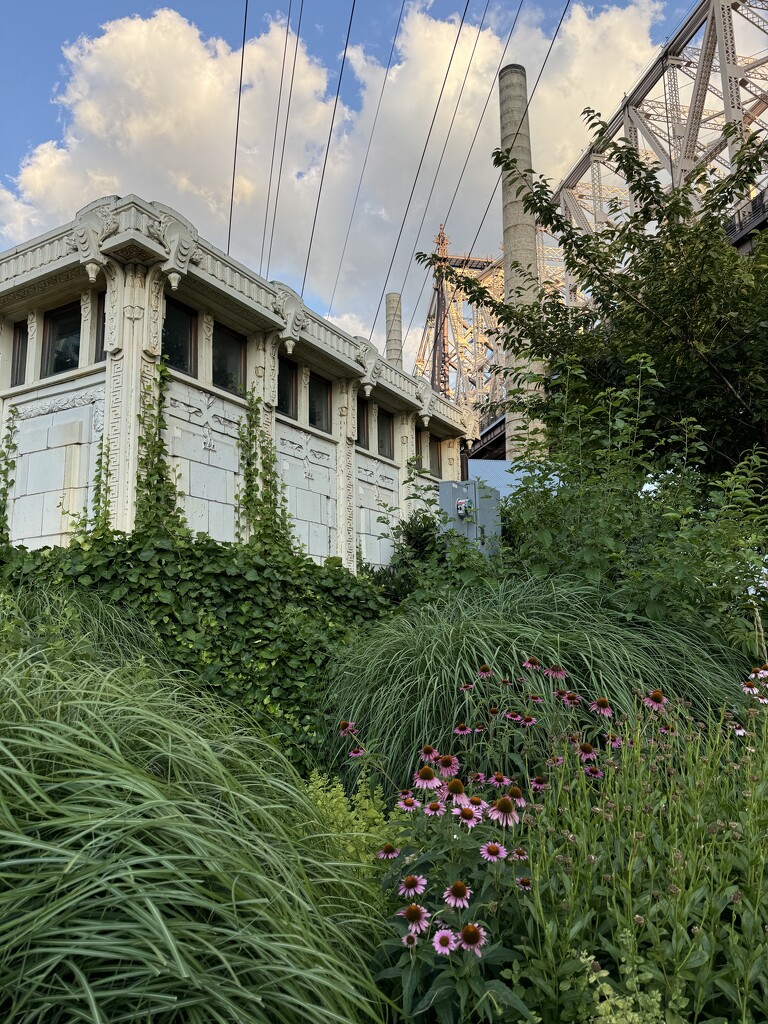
(636, 892)
(400, 679)
(158, 861)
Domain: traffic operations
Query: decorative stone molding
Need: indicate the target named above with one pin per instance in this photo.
(179, 237)
(289, 307)
(428, 401)
(369, 359)
(93, 225)
(63, 402)
(115, 276)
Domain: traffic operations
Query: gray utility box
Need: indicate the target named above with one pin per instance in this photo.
(472, 509)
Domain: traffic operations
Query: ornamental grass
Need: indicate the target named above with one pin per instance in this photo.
(456, 664)
(158, 862)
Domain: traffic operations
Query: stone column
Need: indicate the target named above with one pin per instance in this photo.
(346, 527)
(394, 345)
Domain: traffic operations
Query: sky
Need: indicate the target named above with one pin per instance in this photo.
(109, 97)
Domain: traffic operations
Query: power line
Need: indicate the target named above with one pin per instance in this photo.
(237, 128)
(445, 145)
(274, 140)
(328, 146)
(365, 161)
(285, 134)
(418, 170)
(514, 140)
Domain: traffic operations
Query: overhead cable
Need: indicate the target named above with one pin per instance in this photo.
(274, 140)
(285, 135)
(365, 161)
(418, 170)
(237, 128)
(328, 146)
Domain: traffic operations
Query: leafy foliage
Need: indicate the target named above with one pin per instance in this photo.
(400, 678)
(635, 894)
(7, 467)
(160, 861)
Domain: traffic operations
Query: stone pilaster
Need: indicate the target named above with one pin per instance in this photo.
(346, 472)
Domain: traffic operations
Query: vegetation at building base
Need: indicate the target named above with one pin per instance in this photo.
(160, 861)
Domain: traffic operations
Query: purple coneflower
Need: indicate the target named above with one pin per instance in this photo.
(592, 771)
(498, 779)
(429, 753)
(479, 728)
(468, 816)
(466, 687)
(524, 883)
(409, 939)
(655, 700)
(412, 885)
(538, 783)
(408, 804)
(503, 811)
(571, 699)
(613, 740)
(477, 802)
(560, 694)
(516, 794)
(356, 752)
(587, 752)
(347, 728)
(536, 699)
(554, 762)
(738, 729)
(388, 852)
(448, 765)
(457, 793)
(416, 917)
(493, 712)
(445, 941)
(513, 716)
(751, 689)
(484, 672)
(426, 778)
(527, 721)
(533, 664)
(472, 937)
(435, 809)
(556, 672)
(505, 682)
(462, 729)
(492, 852)
(458, 895)
(601, 706)
(519, 854)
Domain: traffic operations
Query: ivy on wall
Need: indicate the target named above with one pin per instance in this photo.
(255, 619)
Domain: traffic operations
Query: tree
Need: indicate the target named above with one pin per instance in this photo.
(665, 283)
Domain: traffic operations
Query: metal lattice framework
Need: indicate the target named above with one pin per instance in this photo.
(712, 72)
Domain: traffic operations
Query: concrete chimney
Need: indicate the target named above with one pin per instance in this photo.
(519, 226)
(394, 348)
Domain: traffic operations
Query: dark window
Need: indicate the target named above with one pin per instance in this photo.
(362, 440)
(61, 340)
(101, 326)
(319, 403)
(435, 456)
(180, 337)
(19, 357)
(287, 387)
(386, 425)
(228, 359)
(419, 450)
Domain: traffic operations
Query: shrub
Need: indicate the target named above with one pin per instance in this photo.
(401, 679)
(636, 892)
(161, 863)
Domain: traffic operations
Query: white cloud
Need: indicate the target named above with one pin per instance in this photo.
(149, 108)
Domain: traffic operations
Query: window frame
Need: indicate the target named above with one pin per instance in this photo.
(19, 353)
(363, 438)
(99, 355)
(242, 340)
(435, 446)
(194, 317)
(384, 416)
(291, 413)
(47, 356)
(317, 378)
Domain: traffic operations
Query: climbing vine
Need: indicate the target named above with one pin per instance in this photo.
(157, 493)
(7, 469)
(262, 511)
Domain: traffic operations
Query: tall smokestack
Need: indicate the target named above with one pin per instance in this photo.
(394, 347)
(519, 226)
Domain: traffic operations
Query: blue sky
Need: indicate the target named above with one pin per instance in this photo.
(56, 154)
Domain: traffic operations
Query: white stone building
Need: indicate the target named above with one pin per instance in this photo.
(85, 313)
